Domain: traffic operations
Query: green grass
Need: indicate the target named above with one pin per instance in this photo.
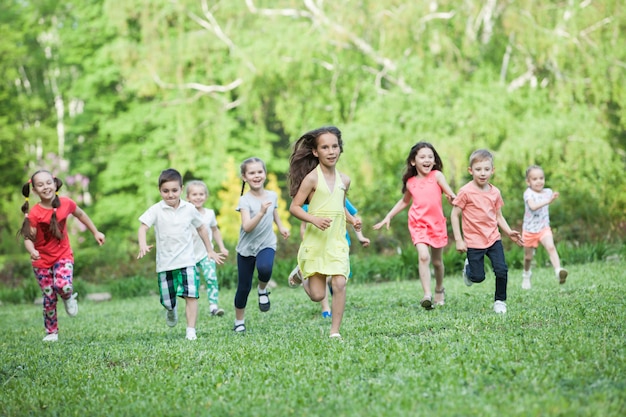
(559, 351)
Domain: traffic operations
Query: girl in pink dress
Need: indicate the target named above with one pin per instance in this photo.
(423, 183)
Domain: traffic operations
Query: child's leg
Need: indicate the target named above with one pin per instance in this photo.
(45, 280)
(424, 268)
(212, 286)
(191, 311)
(315, 287)
(264, 266)
(437, 261)
(63, 278)
(548, 242)
(339, 302)
(529, 253)
(324, 302)
(496, 255)
(245, 269)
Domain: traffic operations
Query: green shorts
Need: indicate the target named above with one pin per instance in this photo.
(183, 282)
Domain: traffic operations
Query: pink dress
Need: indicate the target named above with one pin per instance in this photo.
(427, 224)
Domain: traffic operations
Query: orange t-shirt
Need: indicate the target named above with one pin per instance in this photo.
(50, 248)
(479, 217)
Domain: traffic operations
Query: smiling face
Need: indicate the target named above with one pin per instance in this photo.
(481, 172)
(327, 150)
(196, 195)
(170, 193)
(44, 186)
(255, 175)
(536, 179)
(424, 161)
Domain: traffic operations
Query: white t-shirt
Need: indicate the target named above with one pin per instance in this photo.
(173, 229)
(210, 221)
(536, 220)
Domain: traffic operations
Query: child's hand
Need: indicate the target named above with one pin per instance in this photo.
(357, 224)
(99, 238)
(217, 257)
(284, 232)
(555, 195)
(224, 252)
(384, 222)
(516, 237)
(34, 255)
(265, 206)
(461, 246)
(322, 223)
(365, 242)
(450, 198)
(143, 250)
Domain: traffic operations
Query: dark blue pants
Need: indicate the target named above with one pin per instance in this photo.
(264, 262)
(475, 271)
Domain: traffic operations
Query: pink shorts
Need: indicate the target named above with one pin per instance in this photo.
(532, 240)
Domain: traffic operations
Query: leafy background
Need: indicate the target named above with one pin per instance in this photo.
(108, 94)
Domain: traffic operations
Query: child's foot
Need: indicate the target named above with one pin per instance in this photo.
(562, 275)
(526, 279)
(499, 307)
(71, 305)
(264, 301)
(466, 279)
(52, 337)
(295, 277)
(191, 333)
(239, 328)
(171, 317)
(327, 314)
(216, 311)
(335, 336)
(427, 302)
(440, 297)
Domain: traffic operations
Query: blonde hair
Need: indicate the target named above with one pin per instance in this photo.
(480, 155)
(197, 183)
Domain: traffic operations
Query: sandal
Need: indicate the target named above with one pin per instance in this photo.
(427, 303)
(264, 306)
(442, 294)
(239, 328)
(295, 277)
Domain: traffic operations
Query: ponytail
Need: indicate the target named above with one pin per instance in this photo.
(25, 231)
(55, 229)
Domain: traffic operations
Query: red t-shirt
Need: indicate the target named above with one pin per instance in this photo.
(50, 248)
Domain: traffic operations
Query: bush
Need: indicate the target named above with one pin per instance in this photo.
(133, 287)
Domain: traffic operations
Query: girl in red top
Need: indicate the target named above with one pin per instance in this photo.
(45, 238)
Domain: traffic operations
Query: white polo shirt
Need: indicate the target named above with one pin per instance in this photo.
(174, 230)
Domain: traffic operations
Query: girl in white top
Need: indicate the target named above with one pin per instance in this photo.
(536, 228)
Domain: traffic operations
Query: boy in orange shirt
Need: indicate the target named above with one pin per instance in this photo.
(481, 205)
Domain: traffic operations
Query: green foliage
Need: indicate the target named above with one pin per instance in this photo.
(135, 286)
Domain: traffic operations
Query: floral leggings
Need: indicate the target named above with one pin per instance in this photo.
(53, 281)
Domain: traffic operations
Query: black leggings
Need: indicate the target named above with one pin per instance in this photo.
(264, 262)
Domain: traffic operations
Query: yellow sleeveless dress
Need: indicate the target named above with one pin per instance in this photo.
(326, 252)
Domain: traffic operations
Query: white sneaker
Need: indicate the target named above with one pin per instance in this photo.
(526, 279)
(561, 274)
(466, 279)
(216, 311)
(499, 307)
(171, 317)
(71, 305)
(52, 337)
(191, 333)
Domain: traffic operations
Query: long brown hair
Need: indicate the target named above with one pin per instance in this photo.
(302, 160)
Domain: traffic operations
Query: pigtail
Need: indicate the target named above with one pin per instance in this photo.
(25, 231)
(243, 187)
(55, 229)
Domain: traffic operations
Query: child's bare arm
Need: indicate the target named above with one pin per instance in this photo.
(504, 226)
(455, 216)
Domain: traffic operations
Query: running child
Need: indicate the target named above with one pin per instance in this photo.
(423, 184)
(257, 240)
(174, 220)
(480, 203)
(197, 194)
(45, 237)
(536, 228)
(324, 251)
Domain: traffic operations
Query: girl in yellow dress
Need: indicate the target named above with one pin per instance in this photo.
(314, 180)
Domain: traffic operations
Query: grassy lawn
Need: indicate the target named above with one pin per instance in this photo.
(559, 351)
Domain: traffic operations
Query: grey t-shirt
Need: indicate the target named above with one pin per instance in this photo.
(262, 236)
